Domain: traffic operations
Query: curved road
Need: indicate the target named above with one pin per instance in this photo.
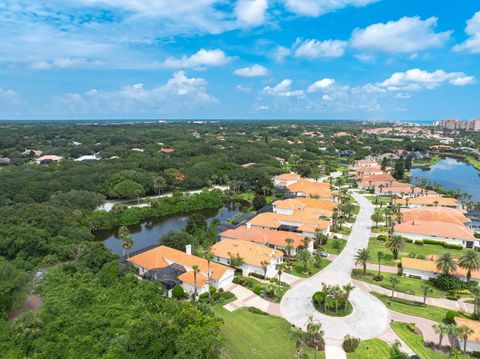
(369, 319)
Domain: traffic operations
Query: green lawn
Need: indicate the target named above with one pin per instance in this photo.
(431, 312)
(299, 270)
(329, 247)
(249, 335)
(394, 139)
(415, 342)
(371, 349)
(405, 284)
(343, 230)
(374, 245)
(381, 199)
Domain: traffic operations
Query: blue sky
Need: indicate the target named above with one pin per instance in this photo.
(300, 59)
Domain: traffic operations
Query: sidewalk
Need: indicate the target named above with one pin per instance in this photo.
(246, 298)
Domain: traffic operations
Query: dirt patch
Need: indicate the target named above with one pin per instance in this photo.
(32, 302)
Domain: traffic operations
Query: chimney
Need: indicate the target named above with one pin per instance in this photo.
(249, 225)
(188, 249)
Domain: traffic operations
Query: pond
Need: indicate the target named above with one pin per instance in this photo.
(149, 232)
(452, 174)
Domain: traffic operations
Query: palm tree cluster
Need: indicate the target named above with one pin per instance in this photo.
(312, 338)
(469, 261)
(456, 332)
(126, 239)
(332, 299)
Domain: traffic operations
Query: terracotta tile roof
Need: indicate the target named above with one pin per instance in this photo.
(303, 203)
(263, 236)
(472, 324)
(252, 253)
(368, 169)
(429, 201)
(167, 150)
(436, 214)
(188, 278)
(162, 256)
(374, 178)
(49, 158)
(288, 176)
(321, 189)
(431, 266)
(436, 229)
(275, 220)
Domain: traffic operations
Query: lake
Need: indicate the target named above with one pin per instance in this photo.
(149, 232)
(452, 174)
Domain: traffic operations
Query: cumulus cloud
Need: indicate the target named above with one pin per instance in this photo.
(281, 53)
(320, 7)
(251, 12)
(284, 89)
(320, 85)
(201, 59)
(416, 80)
(407, 35)
(313, 49)
(178, 94)
(252, 71)
(472, 44)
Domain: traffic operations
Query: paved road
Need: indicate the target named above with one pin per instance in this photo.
(369, 318)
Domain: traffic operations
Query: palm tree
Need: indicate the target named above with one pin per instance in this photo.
(306, 241)
(347, 288)
(299, 336)
(379, 257)
(395, 243)
(464, 332)
(159, 183)
(454, 332)
(280, 268)
(288, 247)
(236, 261)
(476, 293)
(394, 281)
(426, 291)
(195, 271)
(446, 263)
(127, 240)
(209, 258)
(264, 265)
(377, 216)
(303, 255)
(470, 261)
(363, 257)
(315, 334)
(441, 330)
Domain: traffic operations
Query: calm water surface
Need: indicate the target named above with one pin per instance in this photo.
(149, 232)
(452, 174)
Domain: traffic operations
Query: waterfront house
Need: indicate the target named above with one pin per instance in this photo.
(176, 267)
(256, 258)
(286, 179)
(426, 201)
(306, 188)
(434, 214)
(268, 237)
(318, 207)
(427, 269)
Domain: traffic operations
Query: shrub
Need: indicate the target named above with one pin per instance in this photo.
(257, 311)
(236, 280)
(350, 343)
(450, 317)
(411, 255)
(477, 235)
(408, 240)
(203, 296)
(382, 237)
(378, 278)
(178, 292)
(432, 241)
(452, 246)
(213, 290)
(256, 275)
(448, 282)
(419, 243)
(411, 327)
(420, 256)
(228, 295)
(257, 289)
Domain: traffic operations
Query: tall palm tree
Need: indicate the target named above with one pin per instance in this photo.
(393, 281)
(476, 294)
(446, 263)
(441, 330)
(426, 291)
(195, 271)
(264, 265)
(299, 336)
(395, 243)
(379, 257)
(470, 261)
(362, 258)
(464, 332)
(127, 240)
(315, 334)
(288, 247)
(209, 258)
(347, 288)
(280, 268)
(304, 256)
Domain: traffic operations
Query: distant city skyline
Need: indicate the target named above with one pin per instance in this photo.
(247, 59)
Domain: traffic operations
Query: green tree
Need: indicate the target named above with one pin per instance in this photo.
(304, 256)
(236, 261)
(377, 216)
(393, 281)
(470, 261)
(362, 258)
(441, 330)
(395, 243)
(127, 240)
(426, 290)
(264, 265)
(288, 247)
(446, 263)
(379, 258)
(128, 189)
(159, 183)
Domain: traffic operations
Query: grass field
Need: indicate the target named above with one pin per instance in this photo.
(371, 349)
(415, 342)
(249, 335)
(298, 268)
(405, 284)
(431, 312)
(381, 199)
(374, 245)
(330, 246)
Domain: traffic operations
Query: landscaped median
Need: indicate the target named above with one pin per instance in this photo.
(271, 290)
(333, 300)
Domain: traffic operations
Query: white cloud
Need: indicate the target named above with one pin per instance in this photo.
(283, 88)
(320, 85)
(416, 80)
(327, 98)
(252, 71)
(407, 35)
(63, 63)
(251, 12)
(320, 7)
(201, 59)
(281, 53)
(179, 94)
(472, 44)
(243, 88)
(313, 49)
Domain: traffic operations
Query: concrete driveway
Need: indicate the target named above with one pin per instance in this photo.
(369, 318)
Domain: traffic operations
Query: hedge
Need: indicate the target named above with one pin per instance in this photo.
(257, 311)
